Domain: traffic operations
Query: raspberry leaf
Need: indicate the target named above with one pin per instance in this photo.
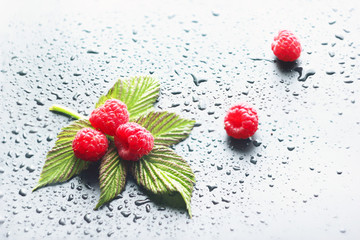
(163, 171)
(138, 93)
(112, 176)
(61, 163)
(167, 128)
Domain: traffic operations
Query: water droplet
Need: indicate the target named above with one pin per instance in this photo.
(215, 14)
(197, 81)
(211, 188)
(330, 72)
(147, 207)
(126, 213)
(22, 192)
(71, 197)
(136, 217)
(307, 74)
(39, 102)
(225, 200)
(175, 105)
(30, 168)
(29, 154)
(87, 218)
(338, 36)
(142, 202)
(291, 148)
(202, 106)
(62, 221)
(256, 143)
(92, 52)
(22, 72)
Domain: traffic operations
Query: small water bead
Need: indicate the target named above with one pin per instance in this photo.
(92, 52)
(62, 221)
(87, 218)
(22, 72)
(22, 192)
(142, 202)
(126, 213)
(211, 188)
(339, 36)
(147, 207)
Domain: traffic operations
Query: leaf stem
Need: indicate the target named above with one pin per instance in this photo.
(66, 111)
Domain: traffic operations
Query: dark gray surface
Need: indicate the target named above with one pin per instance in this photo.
(297, 178)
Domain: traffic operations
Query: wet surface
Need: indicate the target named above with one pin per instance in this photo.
(297, 178)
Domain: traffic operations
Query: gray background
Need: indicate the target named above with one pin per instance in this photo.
(297, 178)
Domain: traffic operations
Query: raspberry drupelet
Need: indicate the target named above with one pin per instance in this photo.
(241, 121)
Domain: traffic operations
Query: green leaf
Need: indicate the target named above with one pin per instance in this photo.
(112, 176)
(61, 163)
(163, 171)
(138, 93)
(167, 128)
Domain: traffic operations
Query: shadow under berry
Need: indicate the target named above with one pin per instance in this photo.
(240, 145)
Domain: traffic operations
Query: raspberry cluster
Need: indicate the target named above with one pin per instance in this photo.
(132, 140)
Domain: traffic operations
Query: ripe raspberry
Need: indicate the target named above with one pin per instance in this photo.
(108, 117)
(133, 141)
(286, 46)
(241, 121)
(89, 144)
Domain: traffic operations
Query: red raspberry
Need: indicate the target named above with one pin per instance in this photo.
(133, 141)
(241, 121)
(286, 46)
(90, 144)
(108, 117)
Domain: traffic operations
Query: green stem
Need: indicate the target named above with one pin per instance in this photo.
(66, 111)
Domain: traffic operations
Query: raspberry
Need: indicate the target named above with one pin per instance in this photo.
(241, 121)
(89, 144)
(108, 117)
(133, 141)
(286, 46)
